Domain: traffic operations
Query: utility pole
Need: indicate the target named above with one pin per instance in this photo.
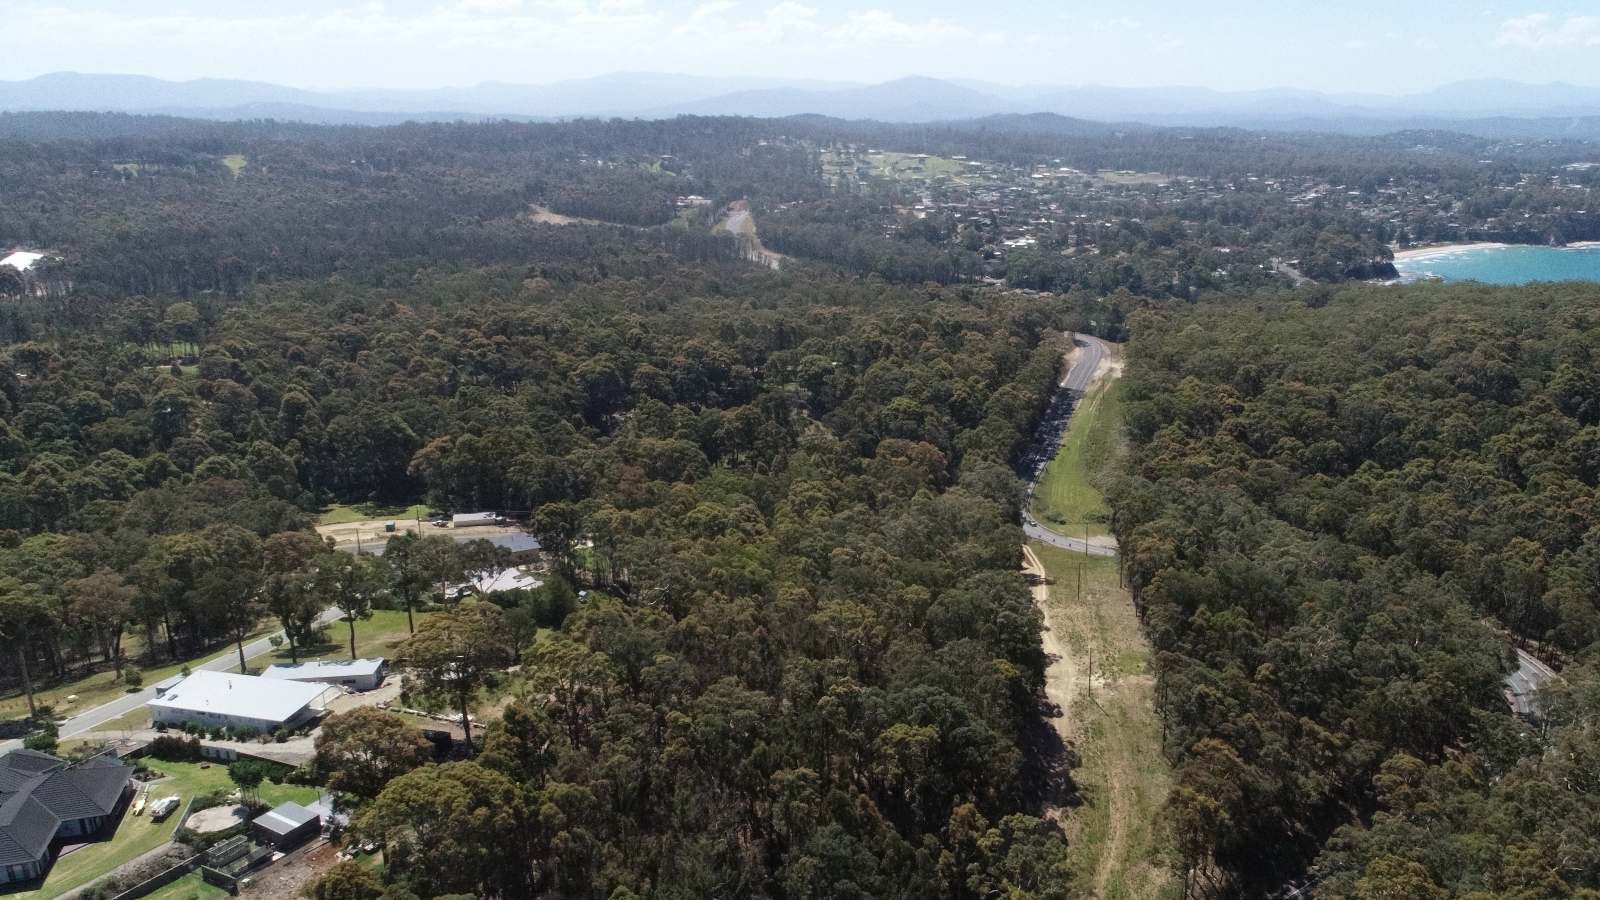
(1091, 674)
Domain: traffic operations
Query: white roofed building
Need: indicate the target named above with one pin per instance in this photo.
(513, 579)
(22, 260)
(217, 699)
(356, 674)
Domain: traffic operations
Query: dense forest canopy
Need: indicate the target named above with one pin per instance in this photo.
(806, 659)
(784, 649)
(1331, 514)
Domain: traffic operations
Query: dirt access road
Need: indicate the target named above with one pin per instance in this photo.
(738, 222)
(370, 535)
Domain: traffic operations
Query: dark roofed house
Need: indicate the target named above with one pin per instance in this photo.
(286, 826)
(44, 800)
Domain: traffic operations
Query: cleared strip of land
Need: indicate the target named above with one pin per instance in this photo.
(1100, 672)
(1106, 690)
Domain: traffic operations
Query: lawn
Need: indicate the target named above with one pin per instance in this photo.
(377, 636)
(189, 778)
(189, 887)
(340, 514)
(235, 163)
(1068, 495)
(908, 167)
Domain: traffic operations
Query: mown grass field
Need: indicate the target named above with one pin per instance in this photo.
(168, 349)
(1068, 496)
(340, 514)
(377, 636)
(908, 167)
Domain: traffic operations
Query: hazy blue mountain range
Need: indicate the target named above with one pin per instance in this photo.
(1493, 107)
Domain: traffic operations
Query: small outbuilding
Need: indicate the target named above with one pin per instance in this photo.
(356, 674)
(286, 826)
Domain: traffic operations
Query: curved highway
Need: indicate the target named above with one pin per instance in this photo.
(1091, 352)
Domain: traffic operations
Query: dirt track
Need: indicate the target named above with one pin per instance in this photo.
(372, 533)
(742, 225)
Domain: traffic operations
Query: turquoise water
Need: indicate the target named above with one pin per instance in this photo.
(1505, 265)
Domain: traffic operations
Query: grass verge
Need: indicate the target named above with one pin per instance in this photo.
(1067, 494)
(377, 636)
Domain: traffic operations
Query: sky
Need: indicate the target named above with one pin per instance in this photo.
(1385, 46)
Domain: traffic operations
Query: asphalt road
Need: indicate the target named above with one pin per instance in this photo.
(1043, 535)
(226, 662)
(1091, 353)
(1521, 685)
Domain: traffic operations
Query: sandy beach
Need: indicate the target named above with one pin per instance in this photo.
(1432, 251)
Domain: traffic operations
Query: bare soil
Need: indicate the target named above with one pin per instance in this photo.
(217, 818)
(738, 222)
(369, 532)
(290, 876)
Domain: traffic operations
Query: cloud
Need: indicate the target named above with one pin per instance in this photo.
(475, 6)
(877, 26)
(349, 43)
(1537, 31)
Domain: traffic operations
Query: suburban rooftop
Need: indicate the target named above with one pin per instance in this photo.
(324, 668)
(226, 692)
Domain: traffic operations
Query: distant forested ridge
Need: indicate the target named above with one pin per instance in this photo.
(1331, 515)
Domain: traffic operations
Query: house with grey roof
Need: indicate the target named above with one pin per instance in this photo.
(45, 801)
(286, 826)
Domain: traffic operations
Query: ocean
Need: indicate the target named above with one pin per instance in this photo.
(1504, 265)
